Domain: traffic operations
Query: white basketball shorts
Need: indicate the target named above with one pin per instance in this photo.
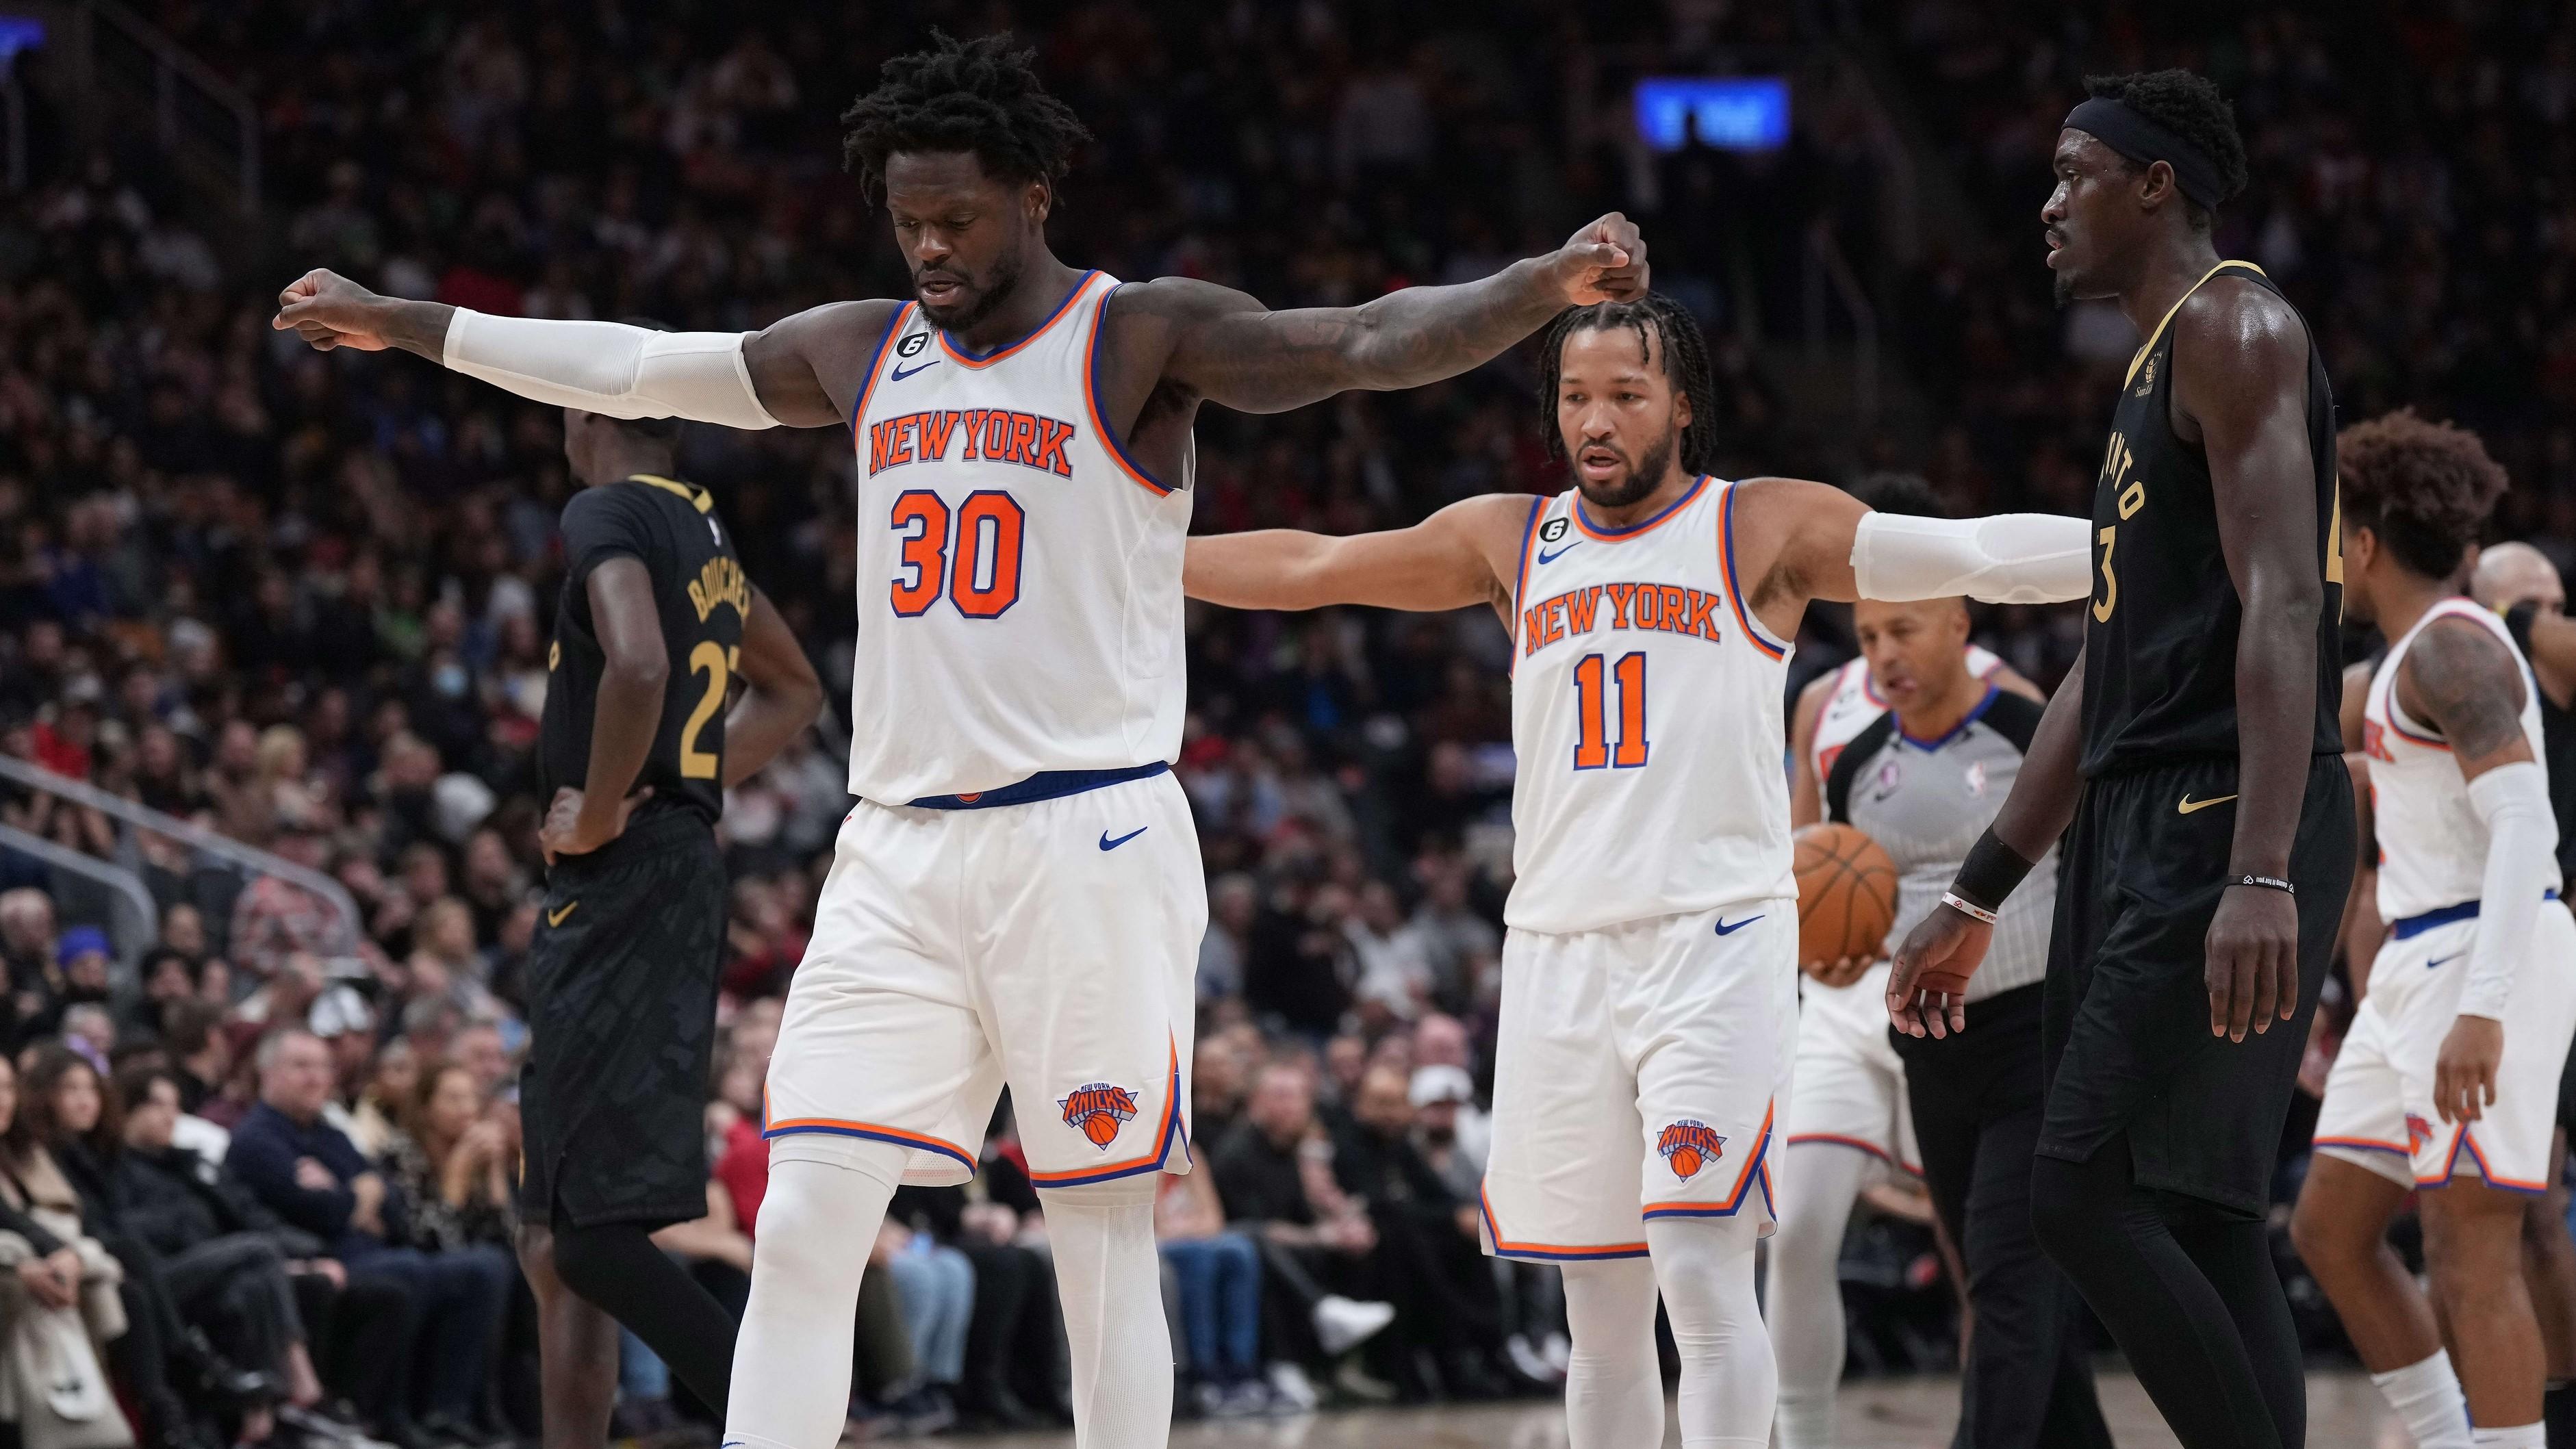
(1851, 1085)
(1636, 1077)
(2378, 1112)
(1049, 945)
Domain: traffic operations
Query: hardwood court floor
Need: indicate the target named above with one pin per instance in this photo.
(2343, 1412)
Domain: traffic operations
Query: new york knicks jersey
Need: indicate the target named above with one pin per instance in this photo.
(1019, 577)
(1854, 705)
(2432, 845)
(1646, 721)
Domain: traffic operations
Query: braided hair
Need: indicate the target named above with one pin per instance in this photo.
(981, 95)
(1684, 353)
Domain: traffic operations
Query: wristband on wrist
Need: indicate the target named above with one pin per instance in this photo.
(1967, 908)
(1989, 874)
(2267, 882)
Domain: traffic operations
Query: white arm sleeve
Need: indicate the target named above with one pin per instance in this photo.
(2522, 863)
(610, 368)
(2011, 558)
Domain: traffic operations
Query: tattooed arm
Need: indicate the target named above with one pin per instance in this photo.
(2463, 681)
(1227, 348)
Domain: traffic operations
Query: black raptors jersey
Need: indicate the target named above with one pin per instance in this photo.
(699, 586)
(2160, 637)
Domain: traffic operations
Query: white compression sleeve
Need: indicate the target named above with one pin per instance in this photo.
(1110, 1276)
(1705, 1267)
(791, 1364)
(1614, 1389)
(2011, 558)
(1802, 1296)
(2522, 862)
(610, 368)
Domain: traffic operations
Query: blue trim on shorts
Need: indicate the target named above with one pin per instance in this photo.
(1044, 785)
(867, 1134)
(2408, 927)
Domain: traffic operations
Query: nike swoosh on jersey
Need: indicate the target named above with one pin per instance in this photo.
(1548, 558)
(1724, 929)
(556, 918)
(2438, 960)
(1108, 844)
(2188, 804)
(901, 372)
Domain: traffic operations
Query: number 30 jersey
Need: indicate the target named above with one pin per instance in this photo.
(1019, 577)
(1646, 720)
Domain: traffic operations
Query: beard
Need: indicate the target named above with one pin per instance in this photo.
(2064, 287)
(1641, 480)
(989, 294)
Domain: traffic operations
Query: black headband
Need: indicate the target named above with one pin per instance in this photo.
(2143, 140)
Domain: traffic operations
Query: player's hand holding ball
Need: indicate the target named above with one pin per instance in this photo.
(2464, 1074)
(1846, 902)
(2253, 970)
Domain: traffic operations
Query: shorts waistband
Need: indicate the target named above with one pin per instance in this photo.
(1044, 785)
(2407, 927)
(644, 834)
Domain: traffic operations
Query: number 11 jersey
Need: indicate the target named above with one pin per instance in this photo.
(1647, 707)
(1019, 577)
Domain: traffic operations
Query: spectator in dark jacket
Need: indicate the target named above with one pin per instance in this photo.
(1273, 1171)
(1438, 1277)
(309, 1173)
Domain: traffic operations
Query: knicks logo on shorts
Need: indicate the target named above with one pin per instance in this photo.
(1689, 1146)
(1098, 1110)
(2418, 1132)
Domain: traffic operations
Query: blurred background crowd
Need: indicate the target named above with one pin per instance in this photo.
(299, 602)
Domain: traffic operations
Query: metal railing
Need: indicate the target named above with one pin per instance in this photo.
(247, 858)
(124, 886)
(113, 55)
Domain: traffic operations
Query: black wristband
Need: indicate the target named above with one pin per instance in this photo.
(1990, 873)
(2267, 882)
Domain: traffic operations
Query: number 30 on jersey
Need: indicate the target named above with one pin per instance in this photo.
(971, 553)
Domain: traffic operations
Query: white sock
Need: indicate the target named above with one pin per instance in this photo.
(1802, 1298)
(2520, 1436)
(1110, 1277)
(791, 1364)
(1614, 1388)
(2426, 1398)
(1729, 1383)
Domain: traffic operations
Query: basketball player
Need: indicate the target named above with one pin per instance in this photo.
(2197, 756)
(1922, 776)
(1018, 895)
(1649, 1000)
(636, 748)
(2519, 582)
(2469, 1012)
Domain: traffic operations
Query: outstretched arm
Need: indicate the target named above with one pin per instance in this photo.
(2464, 682)
(1467, 553)
(1229, 349)
(1807, 541)
(2241, 372)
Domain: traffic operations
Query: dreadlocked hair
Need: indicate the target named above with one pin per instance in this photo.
(1676, 338)
(979, 95)
(2191, 107)
(2424, 487)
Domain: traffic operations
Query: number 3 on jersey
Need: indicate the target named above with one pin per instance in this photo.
(983, 577)
(1592, 750)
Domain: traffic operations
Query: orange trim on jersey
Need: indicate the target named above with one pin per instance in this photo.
(1621, 535)
(1091, 402)
(1547, 1252)
(1835, 1139)
(876, 367)
(1734, 595)
(1754, 1167)
(968, 359)
(874, 1132)
(2462, 1141)
(1152, 1161)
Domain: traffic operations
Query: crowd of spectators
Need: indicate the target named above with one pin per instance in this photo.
(302, 600)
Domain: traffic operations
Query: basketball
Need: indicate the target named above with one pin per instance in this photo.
(1846, 893)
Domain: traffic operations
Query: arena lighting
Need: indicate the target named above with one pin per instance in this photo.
(17, 33)
(1732, 113)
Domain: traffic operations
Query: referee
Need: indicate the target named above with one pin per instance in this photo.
(2521, 583)
(656, 624)
(1924, 780)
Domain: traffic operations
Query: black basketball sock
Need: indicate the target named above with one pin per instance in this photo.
(2183, 1315)
(616, 1266)
(2558, 1415)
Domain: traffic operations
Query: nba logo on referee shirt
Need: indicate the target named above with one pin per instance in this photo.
(1689, 1146)
(1098, 1110)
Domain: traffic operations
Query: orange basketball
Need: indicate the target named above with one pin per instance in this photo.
(1846, 894)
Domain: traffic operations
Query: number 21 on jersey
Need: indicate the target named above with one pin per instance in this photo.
(1593, 749)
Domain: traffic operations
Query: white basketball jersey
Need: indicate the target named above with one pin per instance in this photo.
(2432, 845)
(1855, 702)
(1019, 577)
(1646, 722)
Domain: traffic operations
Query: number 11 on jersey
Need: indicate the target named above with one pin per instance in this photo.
(1592, 750)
